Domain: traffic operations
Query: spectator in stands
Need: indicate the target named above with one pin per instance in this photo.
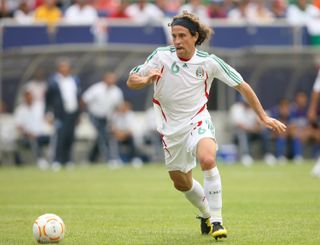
(216, 9)
(246, 129)
(48, 13)
(38, 85)
(143, 12)
(62, 100)
(101, 99)
(7, 8)
(106, 7)
(279, 9)
(7, 136)
(197, 8)
(302, 12)
(230, 4)
(81, 12)
(300, 123)
(287, 144)
(4, 12)
(313, 117)
(62, 4)
(38, 3)
(171, 6)
(163, 6)
(123, 124)
(240, 11)
(258, 12)
(23, 15)
(119, 11)
(29, 123)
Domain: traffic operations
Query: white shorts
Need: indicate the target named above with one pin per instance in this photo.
(180, 150)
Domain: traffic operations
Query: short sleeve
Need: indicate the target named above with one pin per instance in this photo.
(224, 72)
(152, 62)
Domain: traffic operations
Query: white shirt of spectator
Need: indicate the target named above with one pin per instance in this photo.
(68, 91)
(150, 13)
(124, 121)
(316, 86)
(201, 11)
(22, 18)
(38, 89)
(236, 15)
(102, 100)
(296, 16)
(243, 116)
(30, 118)
(76, 15)
(253, 15)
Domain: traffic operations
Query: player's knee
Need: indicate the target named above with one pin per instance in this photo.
(207, 162)
(182, 185)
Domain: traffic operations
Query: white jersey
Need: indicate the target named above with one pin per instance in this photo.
(181, 94)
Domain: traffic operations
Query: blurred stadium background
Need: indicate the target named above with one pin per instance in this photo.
(277, 58)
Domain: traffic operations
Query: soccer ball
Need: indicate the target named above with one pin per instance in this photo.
(48, 228)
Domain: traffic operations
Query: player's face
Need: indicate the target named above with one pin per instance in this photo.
(183, 41)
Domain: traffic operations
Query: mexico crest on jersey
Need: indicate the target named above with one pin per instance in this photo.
(200, 72)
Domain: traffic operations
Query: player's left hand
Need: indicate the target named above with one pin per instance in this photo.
(274, 125)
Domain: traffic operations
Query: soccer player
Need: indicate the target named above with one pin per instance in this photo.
(182, 76)
(312, 114)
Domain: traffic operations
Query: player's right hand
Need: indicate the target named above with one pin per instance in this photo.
(154, 75)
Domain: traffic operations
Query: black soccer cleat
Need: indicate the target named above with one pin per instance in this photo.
(218, 231)
(205, 225)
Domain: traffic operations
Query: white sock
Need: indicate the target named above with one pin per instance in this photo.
(196, 196)
(213, 192)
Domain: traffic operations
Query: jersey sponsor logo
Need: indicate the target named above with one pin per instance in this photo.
(175, 68)
(200, 72)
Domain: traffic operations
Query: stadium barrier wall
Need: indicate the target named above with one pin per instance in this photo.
(105, 32)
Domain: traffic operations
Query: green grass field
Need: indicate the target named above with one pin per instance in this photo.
(262, 205)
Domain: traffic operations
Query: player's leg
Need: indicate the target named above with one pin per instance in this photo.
(193, 191)
(180, 160)
(206, 155)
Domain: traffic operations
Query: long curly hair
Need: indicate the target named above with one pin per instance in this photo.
(205, 32)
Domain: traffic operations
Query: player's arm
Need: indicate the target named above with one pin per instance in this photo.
(312, 112)
(315, 96)
(136, 81)
(248, 93)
